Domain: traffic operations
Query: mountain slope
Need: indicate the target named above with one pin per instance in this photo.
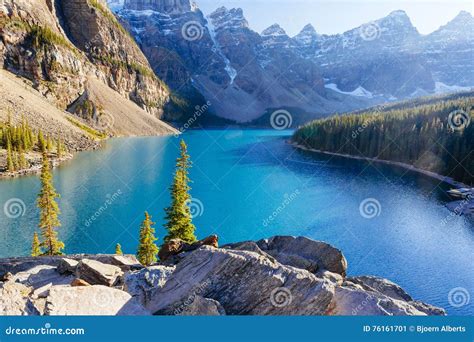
(389, 57)
(245, 74)
(241, 72)
(60, 46)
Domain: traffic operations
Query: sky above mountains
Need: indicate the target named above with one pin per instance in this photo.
(329, 17)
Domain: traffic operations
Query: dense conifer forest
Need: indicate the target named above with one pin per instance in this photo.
(434, 134)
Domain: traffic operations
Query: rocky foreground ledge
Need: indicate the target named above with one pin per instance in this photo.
(277, 276)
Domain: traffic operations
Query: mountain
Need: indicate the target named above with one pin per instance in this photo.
(389, 57)
(245, 74)
(241, 72)
(77, 56)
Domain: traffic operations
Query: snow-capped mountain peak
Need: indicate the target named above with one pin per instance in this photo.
(274, 30)
(229, 19)
(307, 35)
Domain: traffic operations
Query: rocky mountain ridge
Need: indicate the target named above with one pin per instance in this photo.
(278, 276)
(230, 64)
(67, 49)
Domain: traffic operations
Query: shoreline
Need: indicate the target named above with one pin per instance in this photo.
(434, 175)
(35, 168)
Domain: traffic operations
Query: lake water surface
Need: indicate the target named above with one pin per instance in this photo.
(249, 185)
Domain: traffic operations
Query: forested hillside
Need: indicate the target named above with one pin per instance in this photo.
(434, 134)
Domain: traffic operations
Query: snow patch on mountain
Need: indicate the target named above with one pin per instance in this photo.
(359, 91)
(441, 88)
(228, 67)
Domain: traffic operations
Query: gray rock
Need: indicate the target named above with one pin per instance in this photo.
(15, 301)
(244, 283)
(67, 266)
(139, 283)
(248, 246)
(381, 285)
(41, 276)
(125, 262)
(94, 300)
(305, 253)
(354, 299)
(200, 306)
(97, 273)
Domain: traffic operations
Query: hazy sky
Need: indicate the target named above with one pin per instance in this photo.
(338, 16)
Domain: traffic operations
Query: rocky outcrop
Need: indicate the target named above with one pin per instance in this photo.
(276, 276)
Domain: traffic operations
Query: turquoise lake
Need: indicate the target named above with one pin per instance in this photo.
(250, 184)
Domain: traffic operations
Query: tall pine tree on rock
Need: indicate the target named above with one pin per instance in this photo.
(49, 221)
(178, 215)
(147, 250)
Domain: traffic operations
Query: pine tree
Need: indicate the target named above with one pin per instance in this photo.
(35, 247)
(178, 215)
(49, 212)
(22, 162)
(41, 142)
(10, 164)
(147, 250)
(118, 249)
(49, 144)
(59, 148)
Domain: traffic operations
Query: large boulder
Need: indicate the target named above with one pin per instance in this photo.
(304, 253)
(98, 273)
(353, 299)
(94, 300)
(244, 283)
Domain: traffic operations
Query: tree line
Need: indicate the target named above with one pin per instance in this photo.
(20, 139)
(178, 215)
(435, 135)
